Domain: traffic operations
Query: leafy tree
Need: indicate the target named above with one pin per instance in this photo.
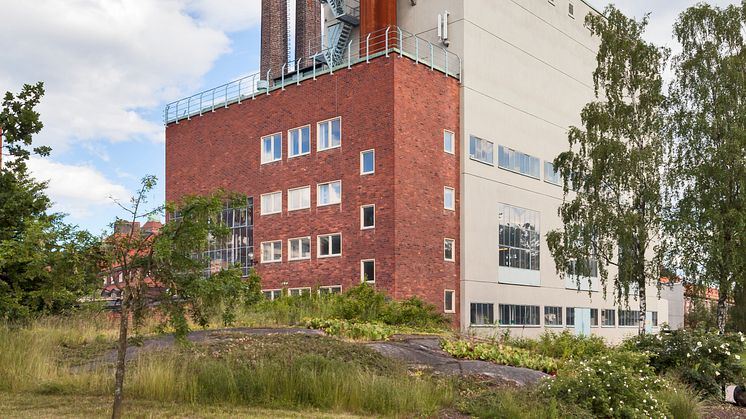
(172, 260)
(614, 165)
(707, 171)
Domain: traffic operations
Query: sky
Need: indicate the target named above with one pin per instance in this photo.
(110, 66)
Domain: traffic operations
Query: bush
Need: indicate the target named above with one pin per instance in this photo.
(413, 312)
(350, 330)
(706, 361)
(618, 384)
(499, 354)
(683, 401)
(564, 345)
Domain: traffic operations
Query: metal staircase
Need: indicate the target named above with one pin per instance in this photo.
(347, 12)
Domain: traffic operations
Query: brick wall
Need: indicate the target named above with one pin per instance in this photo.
(274, 37)
(390, 105)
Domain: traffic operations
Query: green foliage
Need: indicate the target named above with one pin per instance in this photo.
(499, 354)
(702, 314)
(683, 401)
(706, 361)
(354, 330)
(618, 384)
(562, 346)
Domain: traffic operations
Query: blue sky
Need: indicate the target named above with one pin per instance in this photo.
(110, 66)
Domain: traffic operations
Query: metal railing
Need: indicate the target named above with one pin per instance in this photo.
(390, 41)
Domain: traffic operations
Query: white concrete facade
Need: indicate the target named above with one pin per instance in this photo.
(527, 73)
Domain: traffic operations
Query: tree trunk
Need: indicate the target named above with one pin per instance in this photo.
(642, 295)
(722, 298)
(121, 354)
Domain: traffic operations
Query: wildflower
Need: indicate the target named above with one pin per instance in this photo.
(717, 373)
(738, 356)
(699, 344)
(688, 355)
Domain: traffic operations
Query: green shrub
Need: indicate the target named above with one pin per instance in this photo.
(683, 401)
(352, 330)
(412, 312)
(564, 345)
(618, 384)
(499, 354)
(706, 361)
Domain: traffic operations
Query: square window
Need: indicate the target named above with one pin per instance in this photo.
(272, 148)
(299, 141)
(367, 217)
(272, 251)
(329, 193)
(552, 316)
(299, 198)
(330, 245)
(449, 301)
(368, 162)
(271, 203)
(448, 251)
(329, 134)
(449, 198)
(448, 139)
(368, 270)
(299, 249)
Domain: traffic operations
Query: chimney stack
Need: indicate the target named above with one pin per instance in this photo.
(306, 28)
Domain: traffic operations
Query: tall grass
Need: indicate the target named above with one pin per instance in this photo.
(682, 400)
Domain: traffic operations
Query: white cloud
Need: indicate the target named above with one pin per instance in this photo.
(227, 15)
(78, 190)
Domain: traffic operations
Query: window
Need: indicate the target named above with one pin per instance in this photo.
(511, 314)
(448, 139)
(552, 316)
(571, 10)
(237, 248)
(297, 292)
(570, 316)
(629, 317)
(332, 289)
(449, 198)
(482, 313)
(586, 268)
(367, 217)
(329, 193)
(272, 203)
(272, 251)
(272, 295)
(448, 252)
(330, 245)
(594, 317)
(519, 238)
(121, 277)
(550, 175)
(481, 150)
(299, 141)
(271, 148)
(516, 161)
(654, 318)
(299, 198)
(299, 249)
(368, 270)
(368, 162)
(608, 317)
(449, 301)
(329, 134)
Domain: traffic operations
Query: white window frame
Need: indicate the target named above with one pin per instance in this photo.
(318, 133)
(272, 294)
(331, 255)
(362, 271)
(476, 158)
(330, 288)
(453, 301)
(453, 201)
(290, 248)
(300, 291)
(362, 164)
(571, 10)
(362, 217)
(453, 249)
(261, 157)
(318, 193)
(261, 203)
(298, 189)
(121, 277)
(272, 242)
(453, 141)
(290, 148)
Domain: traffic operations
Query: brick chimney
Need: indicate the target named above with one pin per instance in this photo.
(308, 29)
(274, 48)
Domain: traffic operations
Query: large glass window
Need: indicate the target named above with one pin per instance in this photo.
(299, 248)
(482, 313)
(299, 141)
(368, 270)
(237, 248)
(329, 134)
(272, 251)
(271, 203)
(299, 198)
(330, 245)
(608, 317)
(271, 148)
(512, 314)
(367, 162)
(520, 237)
(516, 161)
(629, 317)
(550, 175)
(329, 193)
(481, 150)
(585, 268)
(552, 316)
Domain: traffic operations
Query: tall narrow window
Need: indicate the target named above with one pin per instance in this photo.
(448, 250)
(299, 141)
(368, 162)
(571, 10)
(448, 140)
(368, 270)
(271, 148)
(449, 198)
(449, 301)
(367, 217)
(481, 150)
(271, 203)
(272, 251)
(570, 316)
(299, 249)
(608, 317)
(329, 193)
(299, 198)
(329, 134)
(519, 238)
(329, 245)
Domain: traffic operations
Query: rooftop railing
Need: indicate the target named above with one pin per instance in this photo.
(390, 41)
